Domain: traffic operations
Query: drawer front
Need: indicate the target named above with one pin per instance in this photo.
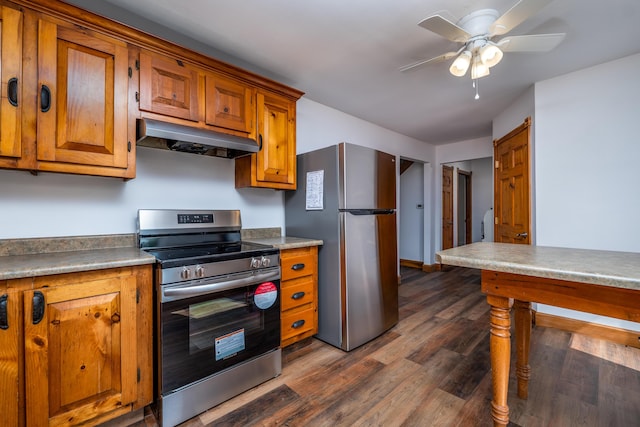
(297, 292)
(297, 323)
(298, 265)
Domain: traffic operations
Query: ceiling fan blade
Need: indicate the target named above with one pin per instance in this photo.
(518, 13)
(531, 43)
(434, 60)
(447, 29)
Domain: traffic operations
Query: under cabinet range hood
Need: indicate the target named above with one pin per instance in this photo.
(172, 136)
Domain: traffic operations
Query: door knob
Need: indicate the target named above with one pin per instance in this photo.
(522, 235)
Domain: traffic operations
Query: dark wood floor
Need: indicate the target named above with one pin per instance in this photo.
(432, 369)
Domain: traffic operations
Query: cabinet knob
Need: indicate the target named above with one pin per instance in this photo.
(296, 267)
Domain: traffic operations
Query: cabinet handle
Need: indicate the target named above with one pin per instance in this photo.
(260, 142)
(45, 98)
(38, 307)
(297, 295)
(297, 324)
(12, 91)
(4, 317)
(298, 266)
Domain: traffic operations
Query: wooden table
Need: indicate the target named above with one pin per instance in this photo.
(600, 282)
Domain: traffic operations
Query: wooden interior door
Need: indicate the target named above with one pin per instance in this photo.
(447, 207)
(511, 186)
(464, 204)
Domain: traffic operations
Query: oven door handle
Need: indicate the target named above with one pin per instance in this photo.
(192, 291)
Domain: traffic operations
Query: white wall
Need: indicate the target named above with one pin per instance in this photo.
(482, 195)
(411, 218)
(587, 154)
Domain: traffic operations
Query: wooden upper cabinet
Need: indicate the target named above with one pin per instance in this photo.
(274, 166)
(229, 104)
(168, 87)
(11, 69)
(82, 97)
(80, 350)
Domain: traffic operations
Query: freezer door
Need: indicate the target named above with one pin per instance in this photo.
(369, 277)
(367, 178)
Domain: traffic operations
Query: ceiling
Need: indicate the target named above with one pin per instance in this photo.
(347, 54)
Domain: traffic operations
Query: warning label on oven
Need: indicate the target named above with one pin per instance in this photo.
(265, 295)
(229, 345)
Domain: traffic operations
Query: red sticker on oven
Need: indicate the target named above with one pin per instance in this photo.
(265, 295)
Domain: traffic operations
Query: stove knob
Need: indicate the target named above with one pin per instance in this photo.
(185, 273)
(265, 261)
(199, 271)
(256, 263)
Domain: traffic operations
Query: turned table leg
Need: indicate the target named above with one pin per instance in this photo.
(500, 343)
(523, 335)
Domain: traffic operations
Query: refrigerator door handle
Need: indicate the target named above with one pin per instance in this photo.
(369, 211)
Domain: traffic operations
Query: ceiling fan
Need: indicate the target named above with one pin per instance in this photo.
(476, 32)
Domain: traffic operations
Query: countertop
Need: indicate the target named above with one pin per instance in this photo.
(607, 268)
(285, 242)
(31, 265)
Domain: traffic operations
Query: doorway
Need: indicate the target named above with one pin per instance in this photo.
(464, 207)
(447, 207)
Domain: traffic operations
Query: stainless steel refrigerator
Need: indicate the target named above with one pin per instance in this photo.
(346, 196)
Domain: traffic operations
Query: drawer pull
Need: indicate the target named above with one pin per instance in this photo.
(4, 316)
(297, 324)
(12, 91)
(298, 266)
(298, 295)
(45, 98)
(38, 307)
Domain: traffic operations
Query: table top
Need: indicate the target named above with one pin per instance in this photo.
(607, 268)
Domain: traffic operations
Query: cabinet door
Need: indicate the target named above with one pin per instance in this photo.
(11, 66)
(168, 87)
(82, 105)
(228, 104)
(10, 356)
(80, 350)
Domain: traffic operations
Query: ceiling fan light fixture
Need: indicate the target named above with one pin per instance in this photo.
(461, 64)
(478, 68)
(490, 54)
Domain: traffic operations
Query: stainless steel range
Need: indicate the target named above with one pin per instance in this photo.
(217, 309)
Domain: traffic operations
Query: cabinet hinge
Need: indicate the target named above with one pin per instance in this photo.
(137, 96)
(138, 375)
(495, 220)
(497, 164)
(137, 296)
(137, 64)
(128, 146)
(130, 72)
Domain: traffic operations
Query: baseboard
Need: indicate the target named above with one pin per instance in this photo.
(410, 263)
(608, 333)
(430, 268)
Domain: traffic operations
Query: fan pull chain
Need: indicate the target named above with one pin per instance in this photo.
(475, 85)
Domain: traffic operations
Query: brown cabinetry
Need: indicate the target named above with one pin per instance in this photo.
(229, 104)
(299, 303)
(11, 99)
(82, 100)
(64, 101)
(274, 166)
(77, 347)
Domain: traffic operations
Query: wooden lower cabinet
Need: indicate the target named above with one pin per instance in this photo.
(299, 303)
(84, 354)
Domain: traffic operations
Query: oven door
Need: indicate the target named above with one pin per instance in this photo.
(209, 325)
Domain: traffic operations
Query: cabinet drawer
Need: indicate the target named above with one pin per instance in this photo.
(298, 264)
(297, 292)
(298, 322)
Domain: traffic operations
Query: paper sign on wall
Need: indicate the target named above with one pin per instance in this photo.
(314, 190)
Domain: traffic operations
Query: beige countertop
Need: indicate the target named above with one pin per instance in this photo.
(31, 265)
(285, 242)
(608, 268)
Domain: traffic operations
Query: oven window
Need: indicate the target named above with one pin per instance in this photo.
(205, 334)
(222, 323)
